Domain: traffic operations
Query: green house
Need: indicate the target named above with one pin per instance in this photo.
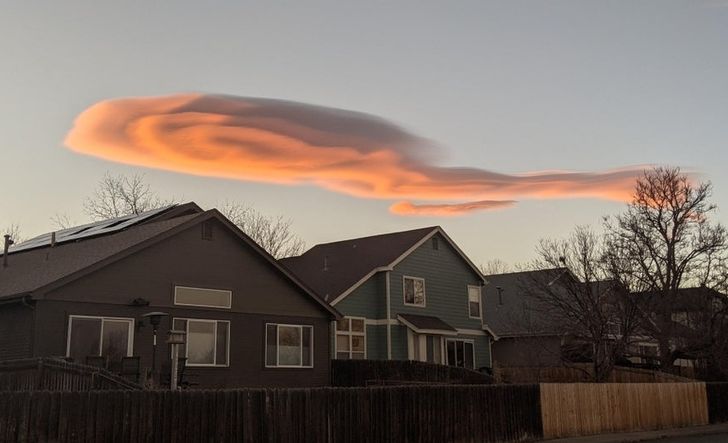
(411, 295)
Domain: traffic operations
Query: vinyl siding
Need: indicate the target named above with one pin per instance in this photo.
(16, 331)
(368, 300)
(376, 342)
(447, 277)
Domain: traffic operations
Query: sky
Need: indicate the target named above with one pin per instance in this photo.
(509, 88)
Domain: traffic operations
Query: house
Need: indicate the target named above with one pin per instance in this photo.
(539, 318)
(81, 293)
(694, 323)
(526, 337)
(411, 295)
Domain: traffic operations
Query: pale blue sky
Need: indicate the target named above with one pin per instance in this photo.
(510, 86)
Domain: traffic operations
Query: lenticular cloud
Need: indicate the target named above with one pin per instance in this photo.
(279, 141)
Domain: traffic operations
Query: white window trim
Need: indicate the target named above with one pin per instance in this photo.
(214, 356)
(230, 298)
(404, 291)
(278, 335)
(349, 334)
(466, 340)
(130, 339)
(480, 302)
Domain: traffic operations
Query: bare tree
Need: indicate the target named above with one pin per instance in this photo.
(14, 231)
(62, 221)
(272, 233)
(119, 195)
(593, 313)
(495, 266)
(665, 241)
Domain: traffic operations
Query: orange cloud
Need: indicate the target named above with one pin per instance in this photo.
(448, 210)
(278, 141)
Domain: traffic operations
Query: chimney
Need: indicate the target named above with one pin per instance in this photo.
(8, 242)
(53, 239)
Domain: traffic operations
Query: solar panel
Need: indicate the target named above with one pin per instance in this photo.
(88, 230)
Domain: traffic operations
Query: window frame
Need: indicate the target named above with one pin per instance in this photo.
(130, 337)
(349, 334)
(187, 347)
(464, 340)
(230, 298)
(404, 291)
(278, 340)
(480, 302)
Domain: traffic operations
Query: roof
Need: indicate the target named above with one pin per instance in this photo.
(32, 269)
(425, 324)
(35, 269)
(103, 227)
(335, 269)
(517, 315)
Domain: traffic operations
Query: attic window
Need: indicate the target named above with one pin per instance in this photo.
(207, 230)
(435, 243)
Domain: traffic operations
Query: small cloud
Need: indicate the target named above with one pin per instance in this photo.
(448, 210)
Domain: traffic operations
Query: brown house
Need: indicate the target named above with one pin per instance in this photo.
(82, 293)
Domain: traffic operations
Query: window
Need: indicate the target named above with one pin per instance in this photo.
(208, 341)
(461, 353)
(288, 346)
(414, 291)
(351, 338)
(210, 298)
(433, 349)
(99, 336)
(474, 301)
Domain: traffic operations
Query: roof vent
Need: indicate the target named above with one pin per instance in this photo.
(326, 263)
(8, 242)
(207, 230)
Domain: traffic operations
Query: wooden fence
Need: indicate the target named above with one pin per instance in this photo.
(57, 375)
(594, 408)
(453, 413)
(717, 402)
(379, 414)
(581, 373)
(395, 372)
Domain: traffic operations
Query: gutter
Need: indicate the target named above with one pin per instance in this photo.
(22, 299)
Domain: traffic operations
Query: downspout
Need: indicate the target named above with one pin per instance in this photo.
(389, 315)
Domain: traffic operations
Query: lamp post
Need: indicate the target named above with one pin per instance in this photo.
(175, 339)
(154, 319)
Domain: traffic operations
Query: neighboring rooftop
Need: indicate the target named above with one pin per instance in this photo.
(33, 268)
(332, 268)
(104, 227)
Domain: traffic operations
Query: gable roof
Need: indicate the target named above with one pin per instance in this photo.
(34, 271)
(517, 315)
(335, 269)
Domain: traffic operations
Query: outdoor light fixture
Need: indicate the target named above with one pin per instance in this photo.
(175, 339)
(155, 318)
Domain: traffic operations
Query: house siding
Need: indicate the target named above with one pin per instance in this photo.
(447, 277)
(376, 342)
(16, 331)
(260, 294)
(368, 300)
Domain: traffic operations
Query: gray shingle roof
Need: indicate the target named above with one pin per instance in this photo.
(33, 269)
(517, 315)
(332, 268)
(427, 323)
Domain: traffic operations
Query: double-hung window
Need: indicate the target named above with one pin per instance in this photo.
(461, 353)
(350, 338)
(207, 343)
(288, 346)
(474, 301)
(110, 337)
(414, 291)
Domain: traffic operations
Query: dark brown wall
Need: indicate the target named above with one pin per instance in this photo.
(247, 340)
(16, 331)
(527, 351)
(260, 294)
